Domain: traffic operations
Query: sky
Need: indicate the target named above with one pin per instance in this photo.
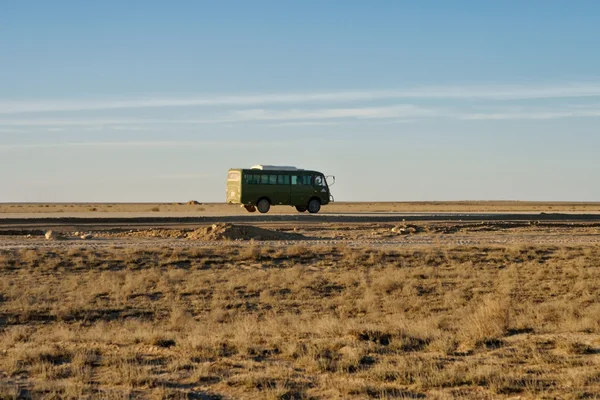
(153, 101)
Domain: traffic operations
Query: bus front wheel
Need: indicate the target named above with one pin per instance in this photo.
(314, 205)
(263, 206)
(300, 208)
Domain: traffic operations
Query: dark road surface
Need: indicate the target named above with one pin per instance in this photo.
(7, 223)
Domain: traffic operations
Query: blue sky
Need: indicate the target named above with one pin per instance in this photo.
(401, 100)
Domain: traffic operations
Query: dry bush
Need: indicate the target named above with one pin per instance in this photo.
(489, 322)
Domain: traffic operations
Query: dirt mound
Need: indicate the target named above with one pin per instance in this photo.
(150, 233)
(221, 231)
(240, 232)
(193, 203)
(408, 229)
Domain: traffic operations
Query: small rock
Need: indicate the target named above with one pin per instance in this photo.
(28, 236)
(86, 236)
(76, 234)
(50, 235)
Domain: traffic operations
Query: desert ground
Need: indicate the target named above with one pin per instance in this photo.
(193, 207)
(502, 305)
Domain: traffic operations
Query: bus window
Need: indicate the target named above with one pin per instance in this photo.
(283, 180)
(264, 179)
(272, 179)
(298, 180)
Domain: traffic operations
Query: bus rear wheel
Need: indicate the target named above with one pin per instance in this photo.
(250, 209)
(263, 206)
(300, 208)
(314, 205)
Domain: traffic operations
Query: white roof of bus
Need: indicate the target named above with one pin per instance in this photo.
(275, 167)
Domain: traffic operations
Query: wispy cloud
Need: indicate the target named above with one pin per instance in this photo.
(396, 111)
(475, 92)
(115, 122)
(409, 113)
(303, 123)
(11, 130)
(142, 144)
(532, 115)
(96, 144)
(399, 113)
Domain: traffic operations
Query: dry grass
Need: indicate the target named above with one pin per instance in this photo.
(302, 322)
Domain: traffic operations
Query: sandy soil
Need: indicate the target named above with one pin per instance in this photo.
(289, 233)
(195, 208)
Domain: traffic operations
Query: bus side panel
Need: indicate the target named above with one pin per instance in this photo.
(251, 193)
(294, 189)
(276, 193)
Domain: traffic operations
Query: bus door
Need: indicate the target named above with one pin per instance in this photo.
(301, 189)
(280, 192)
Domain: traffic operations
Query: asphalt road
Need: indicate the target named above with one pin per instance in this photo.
(16, 221)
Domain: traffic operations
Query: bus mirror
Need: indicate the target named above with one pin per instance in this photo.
(330, 180)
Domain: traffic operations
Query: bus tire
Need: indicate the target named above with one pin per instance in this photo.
(250, 209)
(301, 208)
(314, 205)
(263, 205)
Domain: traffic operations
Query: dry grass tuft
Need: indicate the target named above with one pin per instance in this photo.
(300, 322)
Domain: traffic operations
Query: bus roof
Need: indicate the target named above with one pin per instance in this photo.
(275, 168)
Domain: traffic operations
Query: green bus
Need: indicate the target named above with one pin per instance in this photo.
(263, 186)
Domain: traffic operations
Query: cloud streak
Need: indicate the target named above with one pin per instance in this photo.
(465, 92)
(532, 115)
(399, 113)
(136, 144)
(395, 111)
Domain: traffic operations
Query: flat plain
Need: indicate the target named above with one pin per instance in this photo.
(193, 207)
(292, 309)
